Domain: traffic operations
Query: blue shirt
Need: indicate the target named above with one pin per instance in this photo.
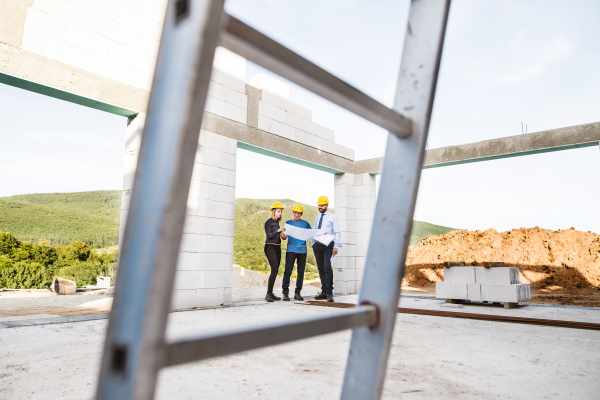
(294, 245)
(332, 225)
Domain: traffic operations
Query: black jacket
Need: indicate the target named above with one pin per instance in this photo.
(271, 227)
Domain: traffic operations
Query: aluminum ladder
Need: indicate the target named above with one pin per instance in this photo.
(135, 348)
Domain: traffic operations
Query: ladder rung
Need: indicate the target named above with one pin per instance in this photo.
(230, 341)
(260, 49)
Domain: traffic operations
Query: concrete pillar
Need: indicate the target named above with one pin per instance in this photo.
(345, 264)
(364, 202)
(204, 270)
(354, 197)
(133, 140)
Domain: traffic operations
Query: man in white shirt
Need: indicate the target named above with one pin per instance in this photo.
(323, 254)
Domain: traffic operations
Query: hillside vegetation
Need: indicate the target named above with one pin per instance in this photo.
(27, 266)
(60, 218)
(93, 218)
(249, 237)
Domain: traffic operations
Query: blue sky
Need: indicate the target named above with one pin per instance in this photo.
(503, 63)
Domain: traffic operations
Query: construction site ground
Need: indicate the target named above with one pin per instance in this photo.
(431, 357)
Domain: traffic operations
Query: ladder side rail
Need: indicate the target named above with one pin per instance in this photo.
(264, 51)
(392, 222)
(136, 332)
(236, 340)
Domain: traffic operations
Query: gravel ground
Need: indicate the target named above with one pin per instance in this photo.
(247, 285)
(430, 358)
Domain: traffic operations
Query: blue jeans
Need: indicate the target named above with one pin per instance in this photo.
(323, 256)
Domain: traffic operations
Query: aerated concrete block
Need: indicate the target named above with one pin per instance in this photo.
(447, 290)
(497, 276)
(474, 291)
(506, 293)
(459, 274)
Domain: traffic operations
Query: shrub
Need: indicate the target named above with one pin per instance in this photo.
(22, 264)
(22, 274)
(8, 243)
(83, 272)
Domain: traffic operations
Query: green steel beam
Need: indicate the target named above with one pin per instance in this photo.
(270, 153)
(31, 86)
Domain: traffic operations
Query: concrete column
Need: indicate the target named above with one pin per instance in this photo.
(354, 197)
(204, 270)
(364, 201)
(133, 140)
(345, 264)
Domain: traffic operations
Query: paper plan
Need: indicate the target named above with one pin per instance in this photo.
(325, 239)
(301, 233)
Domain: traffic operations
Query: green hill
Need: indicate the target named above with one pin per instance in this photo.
(93, 218)
(249, 236)
(89, 217)
(422, 229)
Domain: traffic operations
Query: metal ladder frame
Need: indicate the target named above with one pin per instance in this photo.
(135, 348)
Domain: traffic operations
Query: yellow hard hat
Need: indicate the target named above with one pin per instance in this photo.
(277, 205)
(323, 200)
(298, 208)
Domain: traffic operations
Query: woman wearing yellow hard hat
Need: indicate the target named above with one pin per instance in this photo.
(273, 247)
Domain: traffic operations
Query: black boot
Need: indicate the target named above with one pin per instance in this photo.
(275, 297)
(321, 296)
(269, 297)
(330, 298)
(286, 297)
(297, 297)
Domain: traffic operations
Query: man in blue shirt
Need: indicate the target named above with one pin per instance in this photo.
(323, 254)
(296, 250)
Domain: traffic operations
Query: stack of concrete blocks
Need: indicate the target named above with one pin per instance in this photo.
(204, 276)
(283, 117)
(495, 284)
(354, 197)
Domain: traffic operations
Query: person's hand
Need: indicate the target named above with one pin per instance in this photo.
(283, 236)
(335, 251)
(282, 229)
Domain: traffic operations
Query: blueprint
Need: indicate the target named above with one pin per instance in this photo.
(301, 233)
(325, 239)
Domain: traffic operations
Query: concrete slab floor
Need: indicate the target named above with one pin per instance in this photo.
(431, 357)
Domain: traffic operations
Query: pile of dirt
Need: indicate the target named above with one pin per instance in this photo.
(546, 259)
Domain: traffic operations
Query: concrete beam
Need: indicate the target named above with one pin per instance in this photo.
(259, 141)
(571, 137)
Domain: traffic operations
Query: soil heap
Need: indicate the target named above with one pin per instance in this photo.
(546, 259)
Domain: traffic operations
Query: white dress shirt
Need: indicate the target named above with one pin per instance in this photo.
(332, 225)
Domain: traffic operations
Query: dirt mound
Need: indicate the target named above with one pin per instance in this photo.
(546, 259)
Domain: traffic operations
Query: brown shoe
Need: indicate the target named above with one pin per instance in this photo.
(321, 296)
(330, 298)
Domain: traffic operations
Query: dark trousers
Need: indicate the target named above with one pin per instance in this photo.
(290, 258)
(273, 253)
(323, 255)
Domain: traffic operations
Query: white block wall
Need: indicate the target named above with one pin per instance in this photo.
(117, 39)
(204, 271)
(283, 117)
(354, 197)
(206, 254)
